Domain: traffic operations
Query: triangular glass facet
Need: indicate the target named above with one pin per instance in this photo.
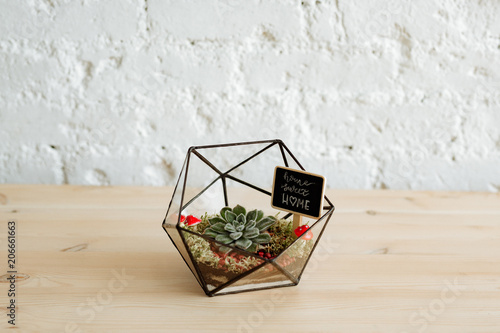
(208, 200)
(199, 176)
(295, 257)
(238, 194)
(225, 158)
(259, 171)
(265, 277)
(172, 216)
(173, 233)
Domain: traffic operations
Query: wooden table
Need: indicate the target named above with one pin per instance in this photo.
(95, 259)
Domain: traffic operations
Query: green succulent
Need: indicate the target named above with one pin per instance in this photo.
(238, 228)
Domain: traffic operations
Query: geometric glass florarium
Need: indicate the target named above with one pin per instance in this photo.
(230, 175)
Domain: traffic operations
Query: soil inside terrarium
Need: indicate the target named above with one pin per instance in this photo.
(215, 276)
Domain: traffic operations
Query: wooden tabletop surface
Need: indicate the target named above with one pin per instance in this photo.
(95, 259)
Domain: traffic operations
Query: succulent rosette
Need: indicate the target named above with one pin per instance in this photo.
(236, 227)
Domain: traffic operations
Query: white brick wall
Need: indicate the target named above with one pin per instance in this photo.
(373, 94)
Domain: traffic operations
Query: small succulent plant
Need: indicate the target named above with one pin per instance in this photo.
(238, 228)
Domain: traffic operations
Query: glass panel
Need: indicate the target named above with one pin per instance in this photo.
(209, 200)
(264, 277)
(170, 222)
(294, 259)
(239, 194)
(216, 266)
(173, 233)
(199, 176)
(172, 216)
(225, 158)
(259, 171)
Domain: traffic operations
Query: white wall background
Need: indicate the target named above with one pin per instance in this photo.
(374, 94)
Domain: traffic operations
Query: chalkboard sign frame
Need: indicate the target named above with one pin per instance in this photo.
(301, 172)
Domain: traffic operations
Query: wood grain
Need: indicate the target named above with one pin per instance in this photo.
(385, 264)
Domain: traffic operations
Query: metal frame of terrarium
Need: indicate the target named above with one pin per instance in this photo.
(178, 231)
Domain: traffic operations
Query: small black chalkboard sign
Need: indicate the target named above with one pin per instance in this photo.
(298, 192)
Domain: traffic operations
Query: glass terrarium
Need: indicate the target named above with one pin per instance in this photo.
(221, 221)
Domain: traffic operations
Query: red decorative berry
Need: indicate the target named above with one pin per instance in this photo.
(261, 253)
(191, 220)
(183, 218)
(268, 255)
(301, 230)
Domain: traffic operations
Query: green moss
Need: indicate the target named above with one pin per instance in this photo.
(282, 235)
(200, 249)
